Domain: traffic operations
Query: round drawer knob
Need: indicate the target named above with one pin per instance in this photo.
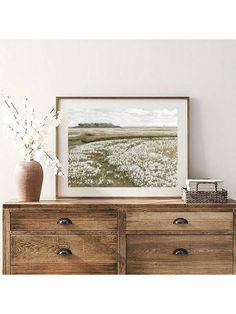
(180, 251)
(180, 221)
(64, 221)
(64, 251)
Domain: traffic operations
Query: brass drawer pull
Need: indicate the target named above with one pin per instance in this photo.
(180, 251)
(64, 251)
(180, 221)
(64, 221)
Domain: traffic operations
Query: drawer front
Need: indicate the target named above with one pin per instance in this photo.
(166, 254)
(180, 221)
(61, 220)
(40, 254)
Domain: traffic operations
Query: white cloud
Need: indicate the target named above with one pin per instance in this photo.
(137, 111)
(132, 117)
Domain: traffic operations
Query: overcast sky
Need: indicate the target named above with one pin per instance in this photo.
(123, 114)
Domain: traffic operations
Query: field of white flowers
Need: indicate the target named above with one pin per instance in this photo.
(128, 162)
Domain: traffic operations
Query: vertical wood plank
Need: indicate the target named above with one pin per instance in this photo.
(234, 242)
(121, 241)
(6, 242)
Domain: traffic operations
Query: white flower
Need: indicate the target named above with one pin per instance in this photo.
(47, 162)
(27, 158)
(39, 153)
(36, 137)
(57, 122)
(35, 146)
(27, 139)
(60, 115)
(31, 131)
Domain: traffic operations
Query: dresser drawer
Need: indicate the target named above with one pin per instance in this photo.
(61, 220)
(166, 254)
(84, 254)
(180, 221)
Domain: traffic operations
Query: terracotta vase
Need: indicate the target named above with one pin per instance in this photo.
(29, 180)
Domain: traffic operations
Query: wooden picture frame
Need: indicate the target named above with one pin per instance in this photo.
(141, 106)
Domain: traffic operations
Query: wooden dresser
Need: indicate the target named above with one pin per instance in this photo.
(118, 236)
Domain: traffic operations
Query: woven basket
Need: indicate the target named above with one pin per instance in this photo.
(204, 197)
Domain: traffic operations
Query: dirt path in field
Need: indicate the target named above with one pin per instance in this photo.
(109, 173)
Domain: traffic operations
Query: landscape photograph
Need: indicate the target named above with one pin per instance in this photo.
(122, 146)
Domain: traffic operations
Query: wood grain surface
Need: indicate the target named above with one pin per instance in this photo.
(122, 242)
(153, 254)
(138, 202)
(38, 254)
(200, 221)
(81, 220)
(6, 242)
(234, 247)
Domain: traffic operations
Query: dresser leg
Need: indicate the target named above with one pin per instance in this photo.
(6, 242)
(234, 243)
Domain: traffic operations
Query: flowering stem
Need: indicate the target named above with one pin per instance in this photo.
(14, 107)
(48, 155)
(25, 122)
(47, 116)
(7, 104)
(29, 132)
(15, 117)
(10, 127)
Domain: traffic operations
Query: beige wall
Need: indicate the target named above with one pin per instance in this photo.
(203, 70)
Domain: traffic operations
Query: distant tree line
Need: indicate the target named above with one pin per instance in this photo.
(97, 125)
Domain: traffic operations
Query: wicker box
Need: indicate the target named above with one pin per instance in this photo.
(204, 197)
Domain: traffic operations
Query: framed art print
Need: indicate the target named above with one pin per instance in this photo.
(123, 146)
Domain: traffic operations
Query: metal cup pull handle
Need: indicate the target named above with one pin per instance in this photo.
(180, 251)
(64, 221)
(64, 251)
(180, 221)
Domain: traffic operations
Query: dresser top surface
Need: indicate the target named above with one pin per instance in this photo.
(150, 201)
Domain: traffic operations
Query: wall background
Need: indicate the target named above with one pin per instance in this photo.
(204, 70)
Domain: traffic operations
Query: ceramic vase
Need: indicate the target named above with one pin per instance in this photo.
(29, 180)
